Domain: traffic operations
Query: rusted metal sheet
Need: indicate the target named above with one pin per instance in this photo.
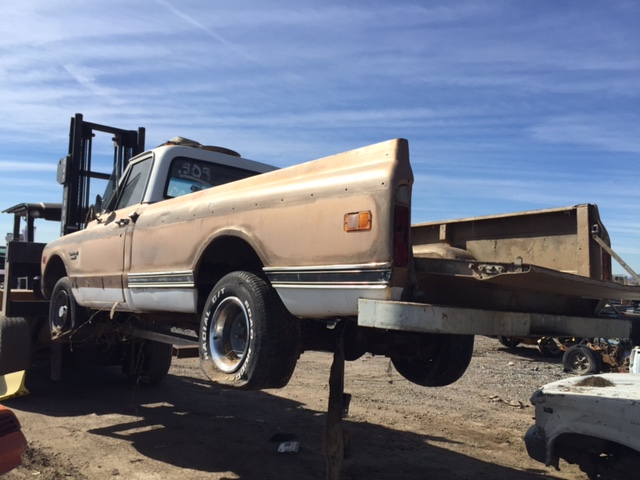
(515, 287)
(558, 238)
(490, 298)
(523, 277)
(540, 272)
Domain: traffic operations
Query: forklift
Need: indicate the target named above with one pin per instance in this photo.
(24, 310)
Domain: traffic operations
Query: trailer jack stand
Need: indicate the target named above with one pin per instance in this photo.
(336, 439)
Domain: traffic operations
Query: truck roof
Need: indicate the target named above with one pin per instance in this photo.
(192, 158)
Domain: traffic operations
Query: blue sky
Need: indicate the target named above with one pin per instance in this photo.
(507, 105)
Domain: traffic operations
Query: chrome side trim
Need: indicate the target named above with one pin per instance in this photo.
(334, 286)
(333, 276)
(184, 279)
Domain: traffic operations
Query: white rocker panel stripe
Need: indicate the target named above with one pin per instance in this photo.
(331, 302)
(182, 300)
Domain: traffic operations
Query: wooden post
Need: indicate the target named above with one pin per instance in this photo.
(334, 437)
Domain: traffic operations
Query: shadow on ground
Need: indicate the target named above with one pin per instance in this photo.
(186, 422)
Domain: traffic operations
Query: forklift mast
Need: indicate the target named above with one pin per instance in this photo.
(75, 171)
(23, 254)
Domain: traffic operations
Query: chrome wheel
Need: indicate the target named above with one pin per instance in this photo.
(247, 339)
(230, 335)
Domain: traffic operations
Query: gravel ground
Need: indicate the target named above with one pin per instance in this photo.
(96, 426)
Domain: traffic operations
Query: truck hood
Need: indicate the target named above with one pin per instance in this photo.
(605, 406)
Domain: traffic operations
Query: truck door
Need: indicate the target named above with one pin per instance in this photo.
(103, 249)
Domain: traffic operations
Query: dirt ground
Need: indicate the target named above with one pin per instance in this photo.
(95, 425)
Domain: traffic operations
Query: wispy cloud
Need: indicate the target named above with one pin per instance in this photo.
(209, 31)
(21, 166)
(618, 133)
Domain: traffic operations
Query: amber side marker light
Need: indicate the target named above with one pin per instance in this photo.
(357, 222)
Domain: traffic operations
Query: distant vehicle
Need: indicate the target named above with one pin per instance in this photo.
(589, 421)
(547, 346)
(12, 441)
(598, 355)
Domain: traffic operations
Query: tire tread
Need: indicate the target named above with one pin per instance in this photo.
(15, 344)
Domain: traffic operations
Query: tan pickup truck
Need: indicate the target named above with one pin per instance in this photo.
(200, 238)
(261, 264)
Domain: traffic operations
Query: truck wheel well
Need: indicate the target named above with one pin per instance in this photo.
(222, 256)
(595, 456)
(54, 271)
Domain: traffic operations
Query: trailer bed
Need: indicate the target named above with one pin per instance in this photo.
(515, 287)
(534, 273)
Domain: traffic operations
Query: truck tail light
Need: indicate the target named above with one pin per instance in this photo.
(401, 229)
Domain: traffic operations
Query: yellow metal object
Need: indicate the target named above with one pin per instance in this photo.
(12, 385)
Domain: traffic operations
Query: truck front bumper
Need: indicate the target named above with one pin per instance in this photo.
(536, 444)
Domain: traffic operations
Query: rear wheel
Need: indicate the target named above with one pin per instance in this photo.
(435, 360)
(248, 339)
(15, 344)
(580, 360)
(151, 362)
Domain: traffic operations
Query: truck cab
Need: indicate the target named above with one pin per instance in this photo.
(97, 259)
(175, 168)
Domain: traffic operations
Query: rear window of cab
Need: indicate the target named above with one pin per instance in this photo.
(188, 175)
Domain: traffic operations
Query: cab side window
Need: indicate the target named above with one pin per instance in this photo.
(135, 185)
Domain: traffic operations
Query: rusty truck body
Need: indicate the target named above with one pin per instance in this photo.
(258, 264)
